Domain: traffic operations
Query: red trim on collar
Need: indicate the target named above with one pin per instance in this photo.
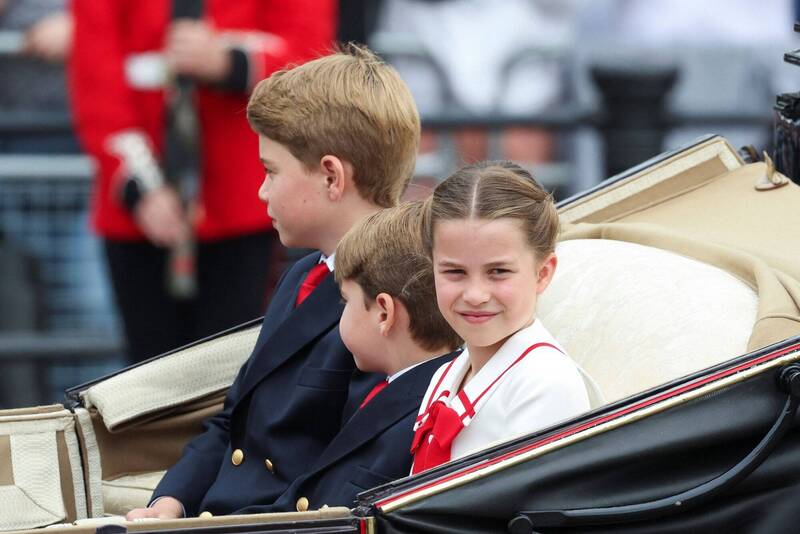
(469, 408)
(515, 362)
(433, 396)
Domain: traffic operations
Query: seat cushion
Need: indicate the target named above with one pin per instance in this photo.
(635, 316)
(125, 493)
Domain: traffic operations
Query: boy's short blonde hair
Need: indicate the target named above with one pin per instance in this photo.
(351, 105)
(384, 253)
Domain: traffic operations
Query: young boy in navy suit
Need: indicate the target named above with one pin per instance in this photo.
(338, 138)
(392, 325)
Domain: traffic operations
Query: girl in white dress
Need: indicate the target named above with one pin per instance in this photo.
(491, 231)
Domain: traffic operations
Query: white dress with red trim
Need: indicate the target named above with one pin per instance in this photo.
(529, 384)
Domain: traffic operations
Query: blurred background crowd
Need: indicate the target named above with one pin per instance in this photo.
(117, 247)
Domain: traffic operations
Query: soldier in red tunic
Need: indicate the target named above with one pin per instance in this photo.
(126, 59)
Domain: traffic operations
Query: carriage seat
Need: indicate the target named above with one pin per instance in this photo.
(632, 316)
(635, 317)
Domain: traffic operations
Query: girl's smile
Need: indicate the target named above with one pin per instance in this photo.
(476, 317)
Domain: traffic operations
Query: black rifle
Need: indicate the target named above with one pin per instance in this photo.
(182, 162)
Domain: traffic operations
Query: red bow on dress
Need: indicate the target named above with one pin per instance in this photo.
(442, 424)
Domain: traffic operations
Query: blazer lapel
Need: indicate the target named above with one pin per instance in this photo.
(367, 423)
(318, 313)
(281, 304)
(402, 397)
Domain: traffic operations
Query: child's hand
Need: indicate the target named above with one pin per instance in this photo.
(163, 508)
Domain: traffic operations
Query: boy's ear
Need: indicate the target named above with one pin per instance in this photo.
(337, 173)
(387, 312)
(547, 269)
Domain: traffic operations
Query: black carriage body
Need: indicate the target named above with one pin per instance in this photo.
(646, 448)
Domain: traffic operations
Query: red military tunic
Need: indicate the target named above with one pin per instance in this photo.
(106, 101)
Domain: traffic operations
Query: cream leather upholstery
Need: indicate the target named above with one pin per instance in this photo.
(40, 468)
(635, 317)
(125, 493)
(172, 380)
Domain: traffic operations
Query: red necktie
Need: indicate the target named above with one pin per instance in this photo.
(316, 275)
(374, 391)
(443, 424)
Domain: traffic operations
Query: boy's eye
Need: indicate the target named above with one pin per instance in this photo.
(497, 271)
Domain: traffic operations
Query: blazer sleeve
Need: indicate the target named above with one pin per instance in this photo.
(194, 473)
(196, 470)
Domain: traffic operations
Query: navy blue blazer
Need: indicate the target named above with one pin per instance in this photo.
(282, 410)
(372, 448)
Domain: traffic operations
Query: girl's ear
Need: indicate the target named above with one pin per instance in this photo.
(544, 275)
(387, 313)
(336, 173)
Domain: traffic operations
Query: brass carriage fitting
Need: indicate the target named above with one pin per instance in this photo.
(789, 379)
(771, 179)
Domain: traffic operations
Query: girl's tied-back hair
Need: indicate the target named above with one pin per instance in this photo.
(495, 190)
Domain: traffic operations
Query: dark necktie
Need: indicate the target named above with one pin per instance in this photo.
(316, 275)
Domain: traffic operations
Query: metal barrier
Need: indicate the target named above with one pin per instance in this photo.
(632, 116)
(43, 212)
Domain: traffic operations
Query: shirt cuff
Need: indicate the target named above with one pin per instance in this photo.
(239, 75)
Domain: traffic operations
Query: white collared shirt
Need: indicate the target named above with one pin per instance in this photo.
(328, 260)
(397, 375)
(507, 399)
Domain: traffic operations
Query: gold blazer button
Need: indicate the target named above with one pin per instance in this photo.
(302, 504)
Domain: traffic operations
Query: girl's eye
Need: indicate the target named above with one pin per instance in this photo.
(453, 271)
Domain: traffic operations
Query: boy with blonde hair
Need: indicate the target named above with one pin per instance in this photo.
(392, 325)
(338, 138)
